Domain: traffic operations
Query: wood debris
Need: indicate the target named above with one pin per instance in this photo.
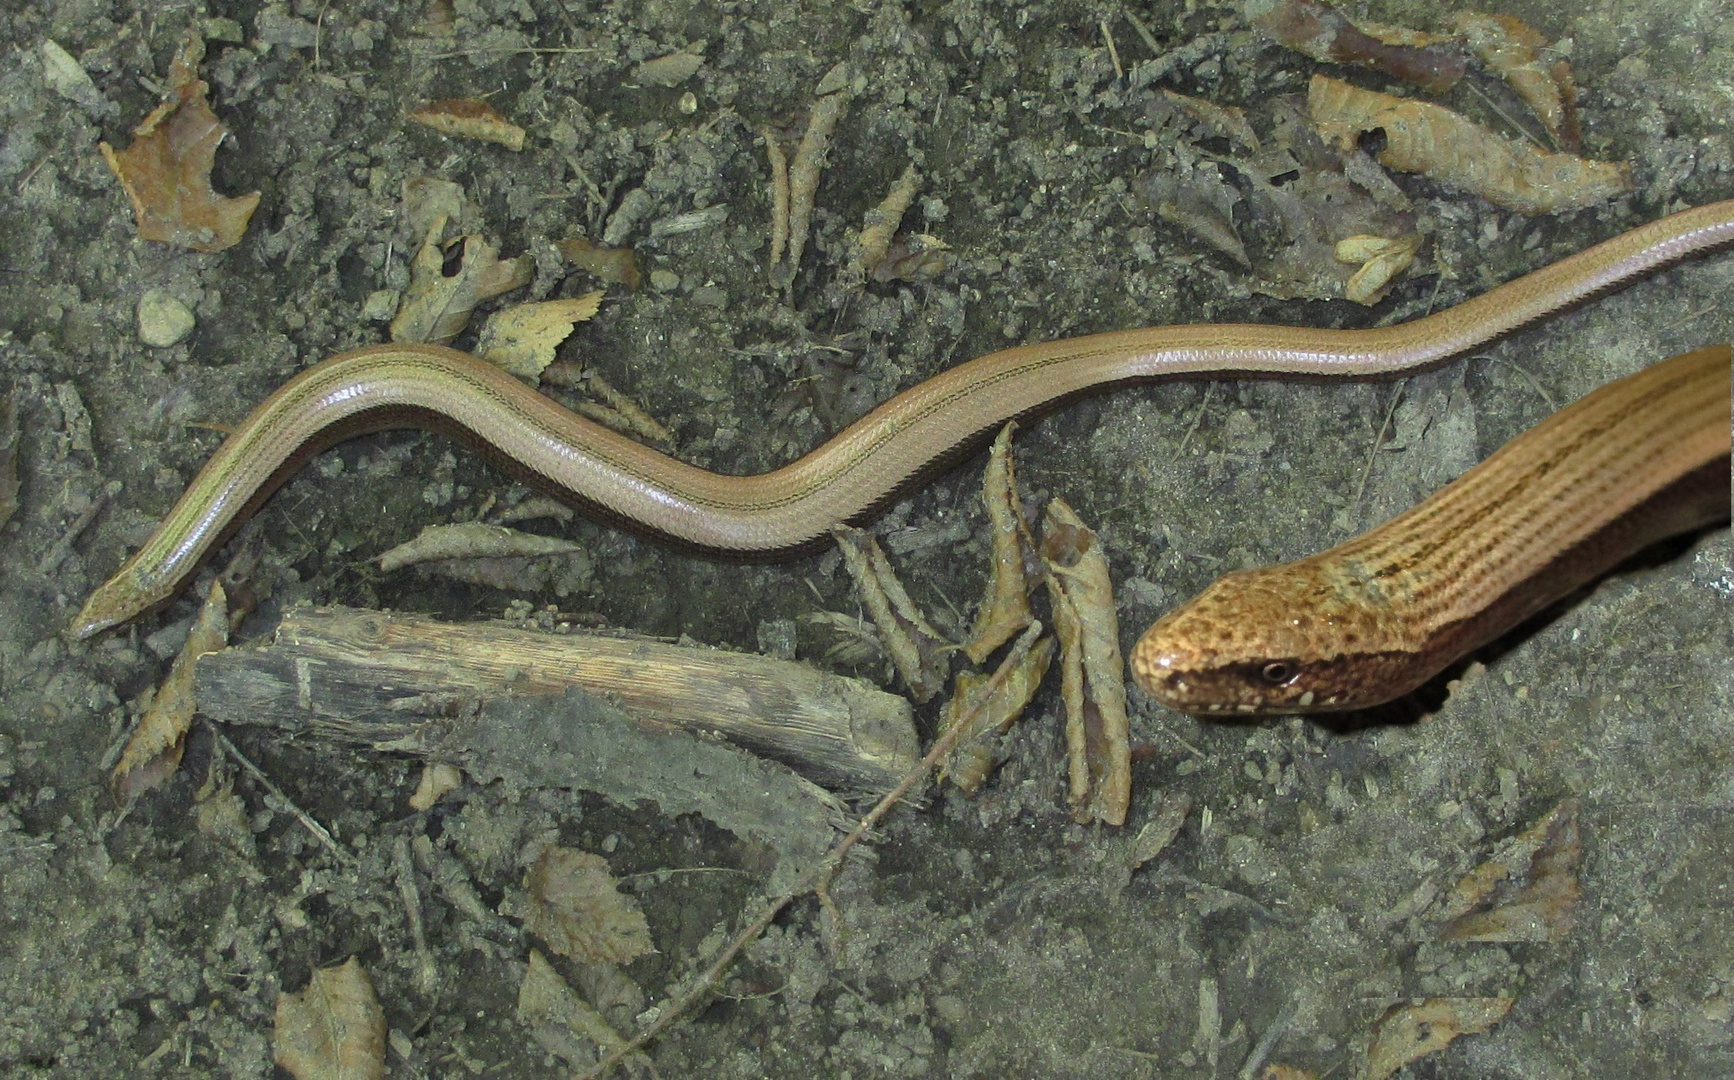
(1005, 610)
(1001, 700)
(577, 908)
(1410, 1032)
(471, 119)
(1324, 33)
(153, 752)
(1448, 147)
(920, 654)
(1381, 259)
(436, 307)
(1099, 758)
(522, 339)
(332, 1030)
(616, 266)
(806, 167)
(1525, 892)
(1512, 47)
(871, 245)
(670, 70)
(166, 171)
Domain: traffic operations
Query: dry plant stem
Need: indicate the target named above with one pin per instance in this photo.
(820, 878)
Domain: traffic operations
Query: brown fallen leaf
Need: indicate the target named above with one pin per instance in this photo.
(1209, 118)
(872, 244)
(153, 753)
(1098, 749)
(914, 257)
(670, 70)
(1409, 1032)
(1005, 610)
(561, 1022)
(334, 1029)
(1161, 830)
(471, 540)
(471, 119)
(974, 759)
(436, 307)
(617, 266)
(920, 654)
(437, 778)
(1512, 48)
(1382, 259)
(166, 172)
(576, 907)
(522, 339)
(1526, 891)
(1324, 33)
(1450, 148)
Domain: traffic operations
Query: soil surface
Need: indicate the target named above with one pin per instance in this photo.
(986, 938)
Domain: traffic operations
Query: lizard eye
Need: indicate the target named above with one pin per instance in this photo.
(1276, 673)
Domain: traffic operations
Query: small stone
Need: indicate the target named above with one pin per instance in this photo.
(163, 320)
(380, 305)
(664, 280)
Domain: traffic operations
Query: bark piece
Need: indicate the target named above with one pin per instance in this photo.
(379, 676)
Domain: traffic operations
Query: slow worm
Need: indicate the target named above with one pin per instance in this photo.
(407, 385)
(1373, 618)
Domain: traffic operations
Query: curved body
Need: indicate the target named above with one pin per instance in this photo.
(375, 387)
(1371, 619)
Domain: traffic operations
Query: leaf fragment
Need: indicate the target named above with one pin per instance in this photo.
(1409, 1032)
(918, 651)
(470, 118)
(153, 752)
(1526, 891)
(1005, 610)
(1324, 33)
(332, 1030)
(575, 906)
(522, 339)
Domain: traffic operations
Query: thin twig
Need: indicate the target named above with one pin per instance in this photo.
(301, 815)
(819, 879)
(1379, 440)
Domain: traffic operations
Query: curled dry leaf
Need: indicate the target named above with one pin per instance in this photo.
(1448, 147)
(921, 656)
(974, 759)
(576, 907)
(1511, 47)
(779, 163)
(1381, 258)
(874, 241)
(1324, 33)
(1409, 1032)
(617, 266)
(470, 119)
(914, 257)
(334, 1029)
(154, 751)
(1099, 757)
(622, 413)
(808, 164)
(1005, 610)
(437, 778)
(166, 173)
(472, 540)
(1526, 891)
(522, 339)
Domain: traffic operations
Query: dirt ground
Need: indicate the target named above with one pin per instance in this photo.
(987, 938)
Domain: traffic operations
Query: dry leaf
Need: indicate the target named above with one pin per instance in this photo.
(334, 1029)
(436, 307)
(154, 751)
(471, 119)
(914, 257)
(1223, 121)
(1446, 146)
(166, 173)
(974, 759)
(1409, 1032)
(472, 540)
(558, 1018)
(1099, 756)
(617, 266)
(620, 412)
(671, 70)
(1160, 830)
(804, 170)
(874, 241)
(1194, 196)
(576, 907)
(1381, 258)
(1324, 33)
(1512, 47)
(921, 656)
(1526, 892)
(522, 339)
(1005, 610)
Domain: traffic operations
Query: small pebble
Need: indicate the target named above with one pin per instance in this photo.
(163, 320)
